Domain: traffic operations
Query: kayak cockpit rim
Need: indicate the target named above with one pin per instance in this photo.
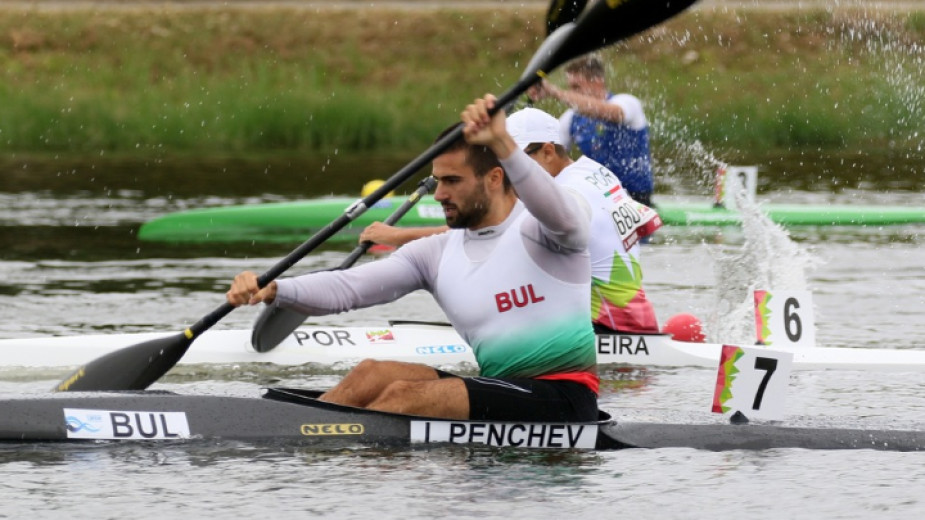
(308, 397)
(431, 431)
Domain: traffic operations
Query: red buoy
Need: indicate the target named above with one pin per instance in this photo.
(684, 327)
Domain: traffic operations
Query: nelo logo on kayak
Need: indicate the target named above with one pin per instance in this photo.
(120, 425)
(618, 345)
(521, 435)
(441, 349)
(311, 430)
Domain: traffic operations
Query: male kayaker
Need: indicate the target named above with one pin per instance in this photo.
(618, 300)
(618, 222)
(512, 276)
(610, 128)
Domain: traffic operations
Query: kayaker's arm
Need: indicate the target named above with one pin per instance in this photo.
(381, 233)
(410, 268)
(595, 106)
(245, 291)
(564, 218)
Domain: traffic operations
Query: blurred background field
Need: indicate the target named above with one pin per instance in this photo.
(277, 83)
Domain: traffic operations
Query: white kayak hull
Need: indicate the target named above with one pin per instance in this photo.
(431, 344)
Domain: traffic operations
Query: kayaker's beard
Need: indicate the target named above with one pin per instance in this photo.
(473, 212)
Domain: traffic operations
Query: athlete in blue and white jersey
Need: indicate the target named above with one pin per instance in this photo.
(513, 277)
(610, 128)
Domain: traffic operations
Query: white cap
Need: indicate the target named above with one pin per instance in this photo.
(531, 125)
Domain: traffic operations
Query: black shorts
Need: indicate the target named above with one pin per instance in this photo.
(531, 400)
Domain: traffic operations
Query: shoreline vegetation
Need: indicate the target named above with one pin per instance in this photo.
(215, 79)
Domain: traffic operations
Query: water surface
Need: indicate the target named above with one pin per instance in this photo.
(70, 264)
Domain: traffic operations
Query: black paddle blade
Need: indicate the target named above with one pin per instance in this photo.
(562, 12)
(604, 23)
(129, 368)
(273, 326)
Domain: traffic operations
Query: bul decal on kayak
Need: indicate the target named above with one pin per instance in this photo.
(123, 424)
(520, 297)
(151, 425)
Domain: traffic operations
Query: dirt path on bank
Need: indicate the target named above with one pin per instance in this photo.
(773, 5)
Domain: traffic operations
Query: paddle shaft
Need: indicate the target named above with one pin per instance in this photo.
(359, 207)
(425, 187)
(164, 353)
(276, 323)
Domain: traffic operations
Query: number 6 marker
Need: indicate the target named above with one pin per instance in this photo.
(785, 319)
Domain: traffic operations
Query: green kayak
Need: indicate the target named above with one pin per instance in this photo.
(294, 221)
(700, 214)
(281, 221)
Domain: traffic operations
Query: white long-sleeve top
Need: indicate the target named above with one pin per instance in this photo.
(520, 300)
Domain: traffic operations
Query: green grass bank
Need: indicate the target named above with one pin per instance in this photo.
(234, 81)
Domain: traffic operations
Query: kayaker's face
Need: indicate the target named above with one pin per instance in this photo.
(460, 191)
(593, 87)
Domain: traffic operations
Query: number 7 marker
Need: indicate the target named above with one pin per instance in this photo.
(752, 381)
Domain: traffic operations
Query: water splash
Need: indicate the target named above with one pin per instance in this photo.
(882, 38)
(768, 259)
(684, 165)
